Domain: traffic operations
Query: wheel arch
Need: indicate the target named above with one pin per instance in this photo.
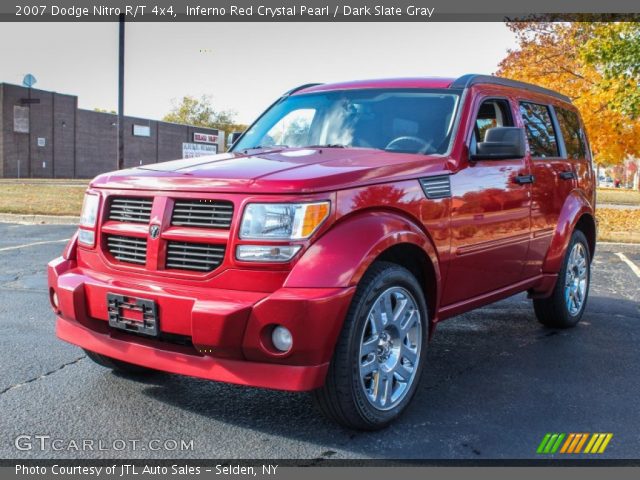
(576, 212)
(341, 257)
(587, 225)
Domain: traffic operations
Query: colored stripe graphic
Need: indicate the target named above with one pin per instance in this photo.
(582, 442)
(572, 443)
(543, 443)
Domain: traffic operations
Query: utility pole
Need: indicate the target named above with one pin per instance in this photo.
(120, 160)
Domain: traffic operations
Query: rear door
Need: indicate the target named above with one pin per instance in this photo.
(554, 177)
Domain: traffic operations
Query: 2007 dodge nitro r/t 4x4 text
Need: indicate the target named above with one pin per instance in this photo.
(321, 251)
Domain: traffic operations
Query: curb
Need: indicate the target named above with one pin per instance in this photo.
(24, 219)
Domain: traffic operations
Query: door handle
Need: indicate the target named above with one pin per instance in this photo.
(568, 175)
(522, 179)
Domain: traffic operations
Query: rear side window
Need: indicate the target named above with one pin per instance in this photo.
(572, 133)
(539, 128)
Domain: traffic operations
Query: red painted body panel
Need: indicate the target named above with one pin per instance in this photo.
(489, 239)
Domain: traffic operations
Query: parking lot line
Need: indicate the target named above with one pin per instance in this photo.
(16, 247)
(634, 268)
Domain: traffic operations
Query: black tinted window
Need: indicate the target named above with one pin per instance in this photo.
(539, 128)
(571, 133)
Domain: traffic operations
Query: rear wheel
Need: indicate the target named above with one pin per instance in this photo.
(118, 365)
(379, 357)
(565, 306)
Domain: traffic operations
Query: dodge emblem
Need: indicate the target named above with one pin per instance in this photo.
(154, 231)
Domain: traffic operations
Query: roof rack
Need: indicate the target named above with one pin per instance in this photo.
(468, 80)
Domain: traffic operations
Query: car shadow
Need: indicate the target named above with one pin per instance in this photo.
(479, 396)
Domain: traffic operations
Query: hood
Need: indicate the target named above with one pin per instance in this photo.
(297, 170)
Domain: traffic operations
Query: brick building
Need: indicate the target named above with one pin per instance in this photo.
(45, 135)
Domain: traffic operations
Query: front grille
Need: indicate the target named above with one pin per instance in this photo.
(201, 257)
(130, 209)
(202, 213)
(128, 249)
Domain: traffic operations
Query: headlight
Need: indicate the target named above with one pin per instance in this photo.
(88, 219)
(89, 210)
(278, 221)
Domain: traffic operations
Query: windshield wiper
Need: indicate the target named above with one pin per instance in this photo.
(257, 147)
(327, 145)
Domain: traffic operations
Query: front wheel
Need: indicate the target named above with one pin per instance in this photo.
(379, 357)
(565, 306)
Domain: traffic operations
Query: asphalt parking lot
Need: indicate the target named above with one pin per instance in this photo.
(496, 382)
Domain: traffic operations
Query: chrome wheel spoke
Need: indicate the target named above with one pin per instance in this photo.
(403, 373)
(369, 366)
(370, 346)
(376, 320)
(408, 354)
(387, 309)
(408, 323)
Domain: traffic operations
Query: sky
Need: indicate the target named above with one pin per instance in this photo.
(243, 66)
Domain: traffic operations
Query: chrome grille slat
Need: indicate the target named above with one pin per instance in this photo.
(194, 256)
(203, 217)
(202, 213)
(180, 266)
(200, 224)
(130, 209)
(128, 249)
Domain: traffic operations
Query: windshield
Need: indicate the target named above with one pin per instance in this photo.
(408, 121)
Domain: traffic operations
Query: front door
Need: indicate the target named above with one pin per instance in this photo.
(490, 215)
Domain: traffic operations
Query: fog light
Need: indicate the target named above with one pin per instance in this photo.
(282, 339)
(266, 253)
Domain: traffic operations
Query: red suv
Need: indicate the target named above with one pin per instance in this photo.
(322, 250)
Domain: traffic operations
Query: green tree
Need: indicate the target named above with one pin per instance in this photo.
(614, 48)
(200, 113)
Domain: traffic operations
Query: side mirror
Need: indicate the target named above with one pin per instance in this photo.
(232, 138)
(501, 143)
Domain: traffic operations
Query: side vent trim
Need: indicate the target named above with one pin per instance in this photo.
(436, 187)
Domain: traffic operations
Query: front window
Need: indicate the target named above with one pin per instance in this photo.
(407, 121)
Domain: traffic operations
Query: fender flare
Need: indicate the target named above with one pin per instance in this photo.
(341, 256)
(575, 206)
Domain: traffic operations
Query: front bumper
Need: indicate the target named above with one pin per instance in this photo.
(214, 334)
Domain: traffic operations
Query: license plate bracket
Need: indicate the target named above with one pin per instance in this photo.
(134, 315)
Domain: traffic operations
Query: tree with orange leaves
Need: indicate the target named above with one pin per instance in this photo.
(571, 58)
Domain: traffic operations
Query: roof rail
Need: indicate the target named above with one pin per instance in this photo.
(468, 80)
(301, 87)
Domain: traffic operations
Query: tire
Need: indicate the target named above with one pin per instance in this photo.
(372, 353)
(565, 306)
(118, 365)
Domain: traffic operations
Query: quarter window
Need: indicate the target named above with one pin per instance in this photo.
(539, 128)
(572, 133)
